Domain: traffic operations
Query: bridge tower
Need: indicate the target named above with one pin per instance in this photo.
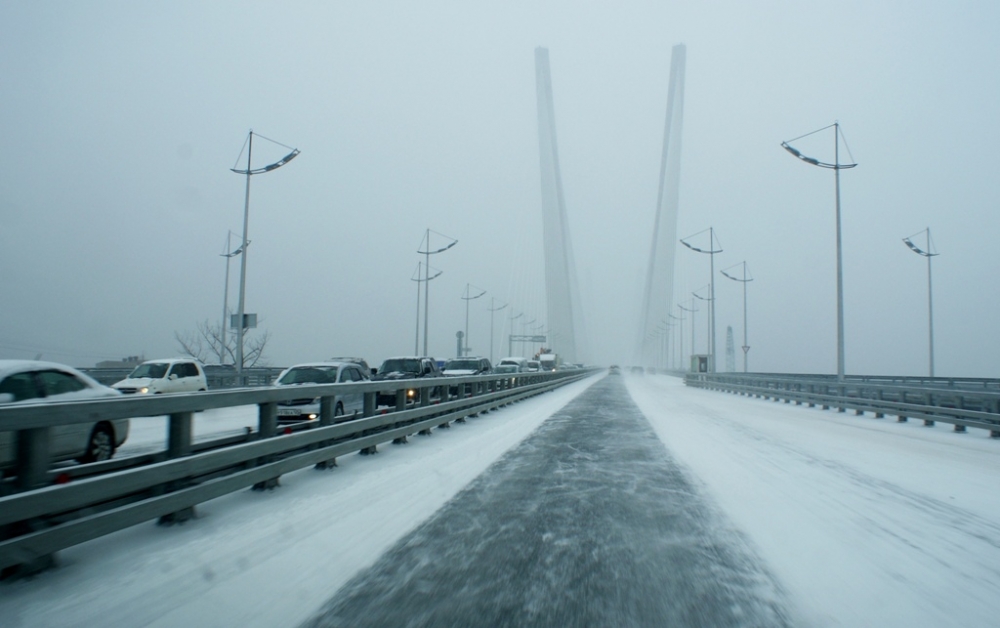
(657, 300)
(562, 293)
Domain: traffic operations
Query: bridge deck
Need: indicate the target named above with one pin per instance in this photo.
(589, 522)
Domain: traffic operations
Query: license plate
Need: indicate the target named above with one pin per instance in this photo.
(288, 412)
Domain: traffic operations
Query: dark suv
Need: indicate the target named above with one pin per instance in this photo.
(406, 367)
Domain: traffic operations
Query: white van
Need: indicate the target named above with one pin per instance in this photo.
(164, 376)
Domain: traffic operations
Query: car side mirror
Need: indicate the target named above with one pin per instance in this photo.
(374, 371)
(6, 398)
(173, 376)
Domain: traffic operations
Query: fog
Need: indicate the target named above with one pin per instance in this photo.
(120, 122)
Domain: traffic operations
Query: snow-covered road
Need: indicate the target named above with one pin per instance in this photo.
(860, 521)
(864, 521)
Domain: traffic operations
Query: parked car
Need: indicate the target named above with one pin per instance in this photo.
(29, 381)
(164, 376)
(463, 367)
(467, 366)
(405, 367)
(520, 363)
(359, 361)
(307, 408)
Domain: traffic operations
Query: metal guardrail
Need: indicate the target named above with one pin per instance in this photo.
(252, 377)
(927, 399)
(43, 518)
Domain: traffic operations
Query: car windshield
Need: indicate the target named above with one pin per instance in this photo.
(400, 365)
(461, 365)
(506, 368)
(154, 370)
(309, 375)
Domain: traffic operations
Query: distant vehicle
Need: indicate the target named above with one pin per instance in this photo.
(164, 376)
(359, 361)
(520, 363)
(405, 367)
(614, 369)
(507, 368)
(637, 370)
(534, 366)
(549, 361)
(463, 367)
(29, 381)
(467, 366)
(307, 408)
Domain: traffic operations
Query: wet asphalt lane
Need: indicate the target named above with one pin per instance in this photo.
(588, 522)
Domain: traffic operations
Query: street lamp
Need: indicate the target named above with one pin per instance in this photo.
(468, 298)
(745, 280)
(427, 252)
(510, 336)
(692, 310)
(708, 318)
(249, 172)
(680, 323)
(836, 166)
(419, 280)
(225, 295)
(493, 309)
(928, 253)
(712, 241)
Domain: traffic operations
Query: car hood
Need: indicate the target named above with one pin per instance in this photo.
(138, 382)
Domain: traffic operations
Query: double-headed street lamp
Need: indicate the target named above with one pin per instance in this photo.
(249, 172)
(427, 252)
(692, 310)
(745, 279)
(836, 166)
(928, 253)
(493, 310)
(417, 278)
(711, 251)
(468, 297)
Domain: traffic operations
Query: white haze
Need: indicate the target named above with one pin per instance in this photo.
(120, 122)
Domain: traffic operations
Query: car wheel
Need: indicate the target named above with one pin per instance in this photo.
(100, 445)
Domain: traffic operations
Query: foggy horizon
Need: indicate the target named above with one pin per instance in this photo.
(122, 123)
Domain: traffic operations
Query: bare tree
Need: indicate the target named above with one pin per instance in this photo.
(207, 345)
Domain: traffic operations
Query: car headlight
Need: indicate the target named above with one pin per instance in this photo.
(411, 393)
(144, 390)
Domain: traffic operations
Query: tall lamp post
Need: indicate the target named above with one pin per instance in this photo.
(836, 166)
(680, 333)
(417, 278)
(493, 310)
(711, 285)
(225, 296)
(427, 252)
(744, 280)
(692, 310)
(510, 336)
(928, 253)
(467, 297)
(708, 318)
(249, 172)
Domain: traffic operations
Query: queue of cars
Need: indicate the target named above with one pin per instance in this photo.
(29, 382)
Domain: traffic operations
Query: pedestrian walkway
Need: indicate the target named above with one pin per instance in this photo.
(588, 522)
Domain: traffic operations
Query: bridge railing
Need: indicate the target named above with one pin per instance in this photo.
(42, 518)
(962, 403)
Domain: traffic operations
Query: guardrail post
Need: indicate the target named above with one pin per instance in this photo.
(327, 407)
(32, 457)
(179, 435)
(178, 445)
(267, 414)
(369, 405)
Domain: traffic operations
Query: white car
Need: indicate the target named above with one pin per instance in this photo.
(164, 376)
(29, 382)
(307, 408)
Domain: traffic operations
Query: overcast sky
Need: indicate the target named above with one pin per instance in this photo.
(120, 122)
